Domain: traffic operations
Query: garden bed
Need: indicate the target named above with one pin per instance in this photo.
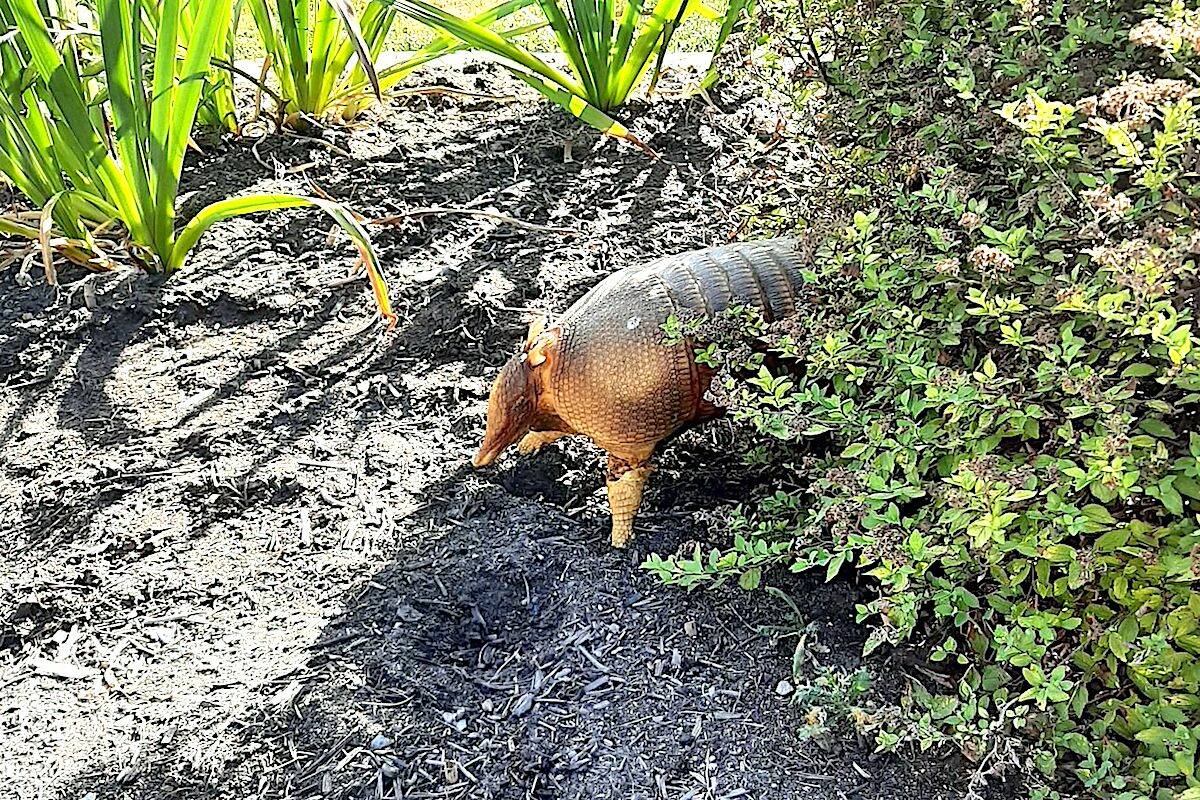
(246, 555)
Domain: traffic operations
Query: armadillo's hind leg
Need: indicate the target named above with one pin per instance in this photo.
(625, 482)
(535, 440)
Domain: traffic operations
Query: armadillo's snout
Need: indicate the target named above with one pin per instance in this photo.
(494, 440)
(510, 411)
(484, 457)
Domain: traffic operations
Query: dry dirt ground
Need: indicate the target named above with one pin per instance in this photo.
(243, 552)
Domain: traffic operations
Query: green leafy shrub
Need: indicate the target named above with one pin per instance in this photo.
(997, 384)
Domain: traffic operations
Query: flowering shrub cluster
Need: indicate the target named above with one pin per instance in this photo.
(998, 389)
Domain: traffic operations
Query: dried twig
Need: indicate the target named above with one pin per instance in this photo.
(449, 90)
(396, 219)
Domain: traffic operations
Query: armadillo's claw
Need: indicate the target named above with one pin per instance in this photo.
(625, 484)
(535, 440)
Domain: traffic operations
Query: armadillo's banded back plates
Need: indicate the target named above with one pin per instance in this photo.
(617, 380)
(763, 275)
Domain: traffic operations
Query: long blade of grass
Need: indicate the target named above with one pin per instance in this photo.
(321, 46)
(646, 45)
(665, 43)
(278, 54)
(350, 21)
(217, 107)
(482, 38)
(162, 94)
(25, 157)
(375, 21)
(120, 45)
(293, 28)
(11, 227)
(157, 137)
(237, 206)
(447, 43)
(584, 110)
(211, 25)
(733, 16)
(162, 108)
(707, 12)
(625, 32)
(565, 33)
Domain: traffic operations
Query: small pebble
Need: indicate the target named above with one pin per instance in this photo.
(524, 704)
(407, 613)
(380, 742)
(783, 688)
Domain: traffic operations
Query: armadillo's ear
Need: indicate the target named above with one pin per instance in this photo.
(538, 347)
(535, 328)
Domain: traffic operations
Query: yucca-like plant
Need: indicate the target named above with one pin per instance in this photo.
(218, 108)
(324, 69)
(29, 142)
(310, 45)
(104, 142)
(609, 48)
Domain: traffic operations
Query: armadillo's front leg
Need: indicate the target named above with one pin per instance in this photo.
(535, 440)
(625, 482)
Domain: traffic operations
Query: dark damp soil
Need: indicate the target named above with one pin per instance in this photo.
(243, 554)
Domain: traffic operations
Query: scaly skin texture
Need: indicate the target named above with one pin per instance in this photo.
(605, 370)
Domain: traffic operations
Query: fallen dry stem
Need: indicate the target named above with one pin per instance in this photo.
(396, 219)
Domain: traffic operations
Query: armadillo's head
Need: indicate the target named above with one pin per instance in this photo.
(513, 403)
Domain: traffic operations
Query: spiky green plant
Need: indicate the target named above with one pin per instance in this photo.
(30, 144)
(609, 48)
(309, 49)
(324, 69)
(218, 109)
(95, 143)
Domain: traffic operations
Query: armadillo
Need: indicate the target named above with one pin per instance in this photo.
(606, 370)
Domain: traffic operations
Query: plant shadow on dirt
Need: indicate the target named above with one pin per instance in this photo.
(474, 634)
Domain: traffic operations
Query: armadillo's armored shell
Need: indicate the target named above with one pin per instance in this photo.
(616, 379)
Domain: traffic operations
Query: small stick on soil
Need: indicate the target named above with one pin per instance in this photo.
(447, 90)
(257, 157)
(320, 760)
(158, 473)
(27, 384)
(14, 681)
(396, 219)
(327, 465)
(330, 146)
(346, 637)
